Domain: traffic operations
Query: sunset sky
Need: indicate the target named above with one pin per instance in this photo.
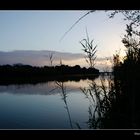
(42, 30)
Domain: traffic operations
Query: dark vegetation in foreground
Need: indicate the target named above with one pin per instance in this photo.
(127, 77)
(18, 73)
(118, 105)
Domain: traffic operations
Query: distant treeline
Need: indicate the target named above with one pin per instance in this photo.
(20, 72)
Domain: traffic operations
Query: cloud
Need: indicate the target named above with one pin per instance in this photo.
(41, 58)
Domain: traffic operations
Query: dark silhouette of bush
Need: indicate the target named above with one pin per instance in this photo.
(124, 112)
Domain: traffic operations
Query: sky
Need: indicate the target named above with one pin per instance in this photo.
(43, 29)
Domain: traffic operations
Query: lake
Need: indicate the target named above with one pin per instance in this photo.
(49, 105)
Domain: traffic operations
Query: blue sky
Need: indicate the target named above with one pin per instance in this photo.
(42, 30)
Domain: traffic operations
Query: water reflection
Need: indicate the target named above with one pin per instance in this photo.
(105, 102)
(42, 88)
(40, 107)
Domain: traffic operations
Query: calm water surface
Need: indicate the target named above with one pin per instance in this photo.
(42, 106)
